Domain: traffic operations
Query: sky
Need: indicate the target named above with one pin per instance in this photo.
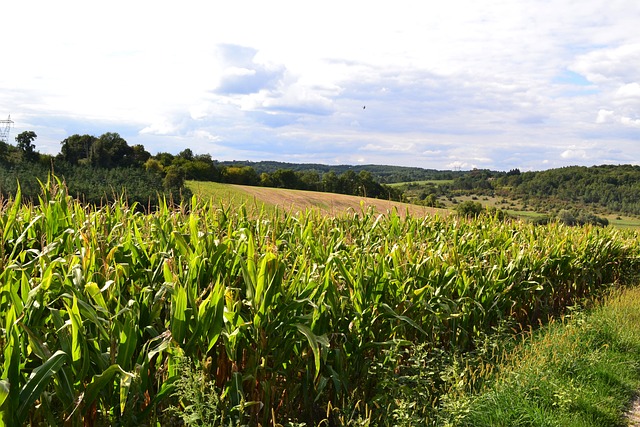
(456, 84)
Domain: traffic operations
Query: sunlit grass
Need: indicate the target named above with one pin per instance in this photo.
(226, 194)
(580, 372)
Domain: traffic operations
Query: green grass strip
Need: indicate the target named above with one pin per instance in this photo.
(582, 372)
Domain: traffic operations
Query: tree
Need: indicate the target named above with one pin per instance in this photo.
(4, 149)
(310, 180)
(567, 217)
(166, 159)
(285, 178)
(469, 209)
(76, 149)
(111, 150)
(26, 146)
(186, 154)
(330, 182)
(244, 175)
(431, 200)
(139, 155)
(174, 179)
(153, 165)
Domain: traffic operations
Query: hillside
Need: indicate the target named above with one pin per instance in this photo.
(386, 174)
(300, 200)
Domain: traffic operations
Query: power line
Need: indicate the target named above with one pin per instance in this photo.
(5, 127)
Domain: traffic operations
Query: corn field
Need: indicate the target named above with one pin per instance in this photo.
(209, 315)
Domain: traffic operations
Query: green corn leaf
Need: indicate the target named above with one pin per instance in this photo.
(405, 319)
(12, 215)
(5, 389)
(128, 340)
(211, 315)
(167, 389)
(37, 382)
(125, 385)
(99, 383)
(78, 342)
(92, 289)
(178, 314)
(314, 342)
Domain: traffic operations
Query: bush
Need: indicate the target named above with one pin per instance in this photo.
(469, 209)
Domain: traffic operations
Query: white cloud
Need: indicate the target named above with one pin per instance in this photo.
(205, 135)
(574, 154)
(395, 147)
(630, 90)
(499, 83)
(604, 116)
(458, 165)
(617, 64)
(628, 121)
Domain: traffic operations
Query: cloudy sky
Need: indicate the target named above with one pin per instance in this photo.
(495, 84)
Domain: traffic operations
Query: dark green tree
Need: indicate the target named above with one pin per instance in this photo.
(139, 155)
(285, 178)
(4, 149)
(111, 150)
(330, 182)
(310, 180)
(469, 209)
(26, 146)
(186, 154)
(166, 159)
(174, 178)
(76, 149)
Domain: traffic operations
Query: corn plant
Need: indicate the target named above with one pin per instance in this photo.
(289, 317)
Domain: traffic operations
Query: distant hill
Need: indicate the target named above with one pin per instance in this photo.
(615, 188)
(602, 189)
(383, 173)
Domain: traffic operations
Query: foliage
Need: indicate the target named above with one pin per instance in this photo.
(381, 173)
(571, 218)
(198, 399)
(469, 209)
(76, 149)
(288, 318)
(91, 185)
(24, 142)
(580, 372)
(613, 187)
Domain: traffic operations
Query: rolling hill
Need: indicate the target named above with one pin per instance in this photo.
(299, 200)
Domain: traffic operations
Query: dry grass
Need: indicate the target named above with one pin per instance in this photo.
(299, 201)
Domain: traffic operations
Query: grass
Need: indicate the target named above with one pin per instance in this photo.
(298, 200)
(624, 222)
(234, 195)
(580, 372)
(270, 199)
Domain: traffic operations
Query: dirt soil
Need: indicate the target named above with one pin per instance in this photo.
(634, 414)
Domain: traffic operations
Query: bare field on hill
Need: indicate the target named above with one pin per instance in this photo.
(299, 200)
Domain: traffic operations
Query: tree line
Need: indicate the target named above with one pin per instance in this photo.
(611, 188)
(99, 169)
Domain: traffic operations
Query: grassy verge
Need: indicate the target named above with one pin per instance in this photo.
(225, 194)
(581, 372)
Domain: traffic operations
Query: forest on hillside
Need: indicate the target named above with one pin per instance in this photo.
(105, 168)
(612, 188)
